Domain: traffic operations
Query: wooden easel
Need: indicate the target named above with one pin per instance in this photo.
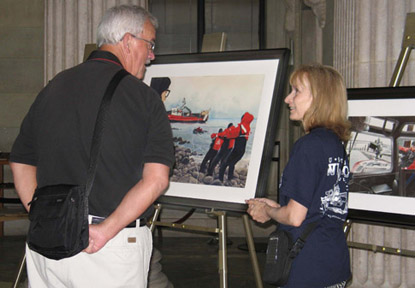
(221, 231)
(9, 214)
(408, 43)
(375, 248)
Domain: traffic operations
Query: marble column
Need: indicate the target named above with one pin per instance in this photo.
(367, 43)
(69, 25)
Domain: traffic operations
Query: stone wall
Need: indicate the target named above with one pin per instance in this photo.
(21, 75)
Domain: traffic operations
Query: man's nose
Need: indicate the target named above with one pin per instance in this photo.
(151, 55)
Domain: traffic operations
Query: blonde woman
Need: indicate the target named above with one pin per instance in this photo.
(314, 184)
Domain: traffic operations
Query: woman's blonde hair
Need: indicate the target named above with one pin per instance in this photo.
(329, 106)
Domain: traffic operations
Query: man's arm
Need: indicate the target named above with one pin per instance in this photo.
(24, 177)
(154, 182)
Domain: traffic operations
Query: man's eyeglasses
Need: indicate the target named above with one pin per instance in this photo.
(151, 43)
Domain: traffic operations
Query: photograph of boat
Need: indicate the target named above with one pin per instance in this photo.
(183, 114)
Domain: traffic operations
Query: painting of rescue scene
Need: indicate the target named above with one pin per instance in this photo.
(382, 153)
(213, 120)
(223, 109)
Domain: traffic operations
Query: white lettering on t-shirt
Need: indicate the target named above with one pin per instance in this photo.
(334, 201)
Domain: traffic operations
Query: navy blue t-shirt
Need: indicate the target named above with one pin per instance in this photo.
(316, 176)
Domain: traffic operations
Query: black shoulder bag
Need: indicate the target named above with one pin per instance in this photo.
(59, 213)
(281, 251)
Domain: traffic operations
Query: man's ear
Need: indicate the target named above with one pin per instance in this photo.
(126, 40)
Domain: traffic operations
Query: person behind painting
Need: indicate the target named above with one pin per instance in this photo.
(161, 85)
(408, 162)
(215, 146)
(241, 135)
(315, 180)
(408, 158)
(133, 168)
(224, 151)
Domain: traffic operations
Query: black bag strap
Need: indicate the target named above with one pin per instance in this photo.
(299, 243)
(99, 127)
(308, 229)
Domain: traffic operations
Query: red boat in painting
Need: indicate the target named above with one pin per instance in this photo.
(183, 114)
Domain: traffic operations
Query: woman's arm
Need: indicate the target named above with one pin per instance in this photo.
(263, 210)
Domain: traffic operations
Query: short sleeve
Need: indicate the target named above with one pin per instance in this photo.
(160, 148)
(23, 149)
(302, 173)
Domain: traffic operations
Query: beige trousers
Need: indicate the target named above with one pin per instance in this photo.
(122, 262)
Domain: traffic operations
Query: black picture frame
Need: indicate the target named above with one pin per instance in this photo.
(383, 125)
(208, 75)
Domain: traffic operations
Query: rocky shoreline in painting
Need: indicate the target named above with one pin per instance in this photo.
(186, 169)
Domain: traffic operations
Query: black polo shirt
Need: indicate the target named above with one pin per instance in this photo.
(56, 134)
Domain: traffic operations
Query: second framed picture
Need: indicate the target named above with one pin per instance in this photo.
(382, 155)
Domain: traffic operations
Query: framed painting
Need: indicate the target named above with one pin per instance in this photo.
(382, 155)
(224, 109)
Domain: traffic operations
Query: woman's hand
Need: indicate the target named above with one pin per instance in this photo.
(263, 209)
(269, 202)
(259, 208)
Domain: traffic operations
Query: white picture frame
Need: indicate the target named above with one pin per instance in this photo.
(227, 84)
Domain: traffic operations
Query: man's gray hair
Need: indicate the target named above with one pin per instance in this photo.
(120, 20)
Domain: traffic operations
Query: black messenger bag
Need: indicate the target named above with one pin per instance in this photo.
(281, 251)
(59, 213)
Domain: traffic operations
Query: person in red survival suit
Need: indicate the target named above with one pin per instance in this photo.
(241, 135)
(217, 142)
(408, 160)
(224, 151)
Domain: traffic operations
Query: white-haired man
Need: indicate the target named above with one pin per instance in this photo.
(133, 168)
